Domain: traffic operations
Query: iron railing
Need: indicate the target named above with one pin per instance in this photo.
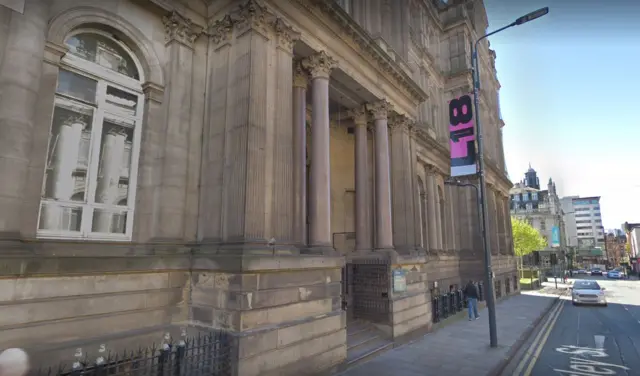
(205, 354)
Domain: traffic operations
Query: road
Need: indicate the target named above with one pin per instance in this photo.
(585, 340)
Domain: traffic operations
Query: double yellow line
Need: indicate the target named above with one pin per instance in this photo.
(533, 352)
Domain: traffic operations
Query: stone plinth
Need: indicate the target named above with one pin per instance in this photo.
(285, 311)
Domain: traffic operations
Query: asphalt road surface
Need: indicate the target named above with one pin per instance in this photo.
(586, 340)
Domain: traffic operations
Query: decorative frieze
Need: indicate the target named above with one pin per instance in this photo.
(380, 110)
(179, 28)
(350, 31)
(319, 64)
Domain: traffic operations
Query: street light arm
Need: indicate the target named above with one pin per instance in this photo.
(475, 47)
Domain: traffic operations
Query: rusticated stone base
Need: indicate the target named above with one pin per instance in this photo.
(285, 311)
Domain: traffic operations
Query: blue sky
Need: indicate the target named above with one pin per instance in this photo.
(570, 85)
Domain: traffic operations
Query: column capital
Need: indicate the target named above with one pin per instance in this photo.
(286, 36)
(359, 116)
(179, 28)
(221, 31)
(380, 110)
(320, 64)
(252, 15)
(300, 75)
(399, 122)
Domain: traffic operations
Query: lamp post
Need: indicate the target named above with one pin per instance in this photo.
(491, 304)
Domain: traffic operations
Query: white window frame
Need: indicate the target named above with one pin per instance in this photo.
(104, 77)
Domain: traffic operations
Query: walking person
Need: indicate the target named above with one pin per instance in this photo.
(471, 292)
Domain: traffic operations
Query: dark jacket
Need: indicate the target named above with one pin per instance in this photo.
(471, 291)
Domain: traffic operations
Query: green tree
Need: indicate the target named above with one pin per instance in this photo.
(526, 239)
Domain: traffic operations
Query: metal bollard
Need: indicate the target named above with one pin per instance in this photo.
(435, 309)
(444, 306)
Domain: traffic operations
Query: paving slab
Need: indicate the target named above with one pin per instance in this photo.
(462, 348)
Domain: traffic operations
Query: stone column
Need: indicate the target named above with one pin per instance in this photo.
(65, 160)
(320, 66)
(108, 178)
(432, 210)
(383, 216)
(169, 220)
(440, 204)
(300, 83)
(21, 67)
(402, 180)
(363, 235)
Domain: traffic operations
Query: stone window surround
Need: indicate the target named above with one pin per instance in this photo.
(104, 78)
(152, 79)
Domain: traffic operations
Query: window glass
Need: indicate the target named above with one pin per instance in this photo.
(101, 50)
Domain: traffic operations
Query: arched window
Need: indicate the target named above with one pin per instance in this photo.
(94, 142)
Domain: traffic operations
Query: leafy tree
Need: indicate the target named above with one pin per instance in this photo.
(526, 239)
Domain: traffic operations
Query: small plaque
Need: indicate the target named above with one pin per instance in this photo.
(399, 280)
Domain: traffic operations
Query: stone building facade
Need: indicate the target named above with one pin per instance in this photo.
(256, 166)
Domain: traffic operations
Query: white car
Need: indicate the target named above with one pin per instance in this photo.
(588, 292)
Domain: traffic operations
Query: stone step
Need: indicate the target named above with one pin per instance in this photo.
(364, 340)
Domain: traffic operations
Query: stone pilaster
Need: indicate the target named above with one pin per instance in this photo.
(282, 227)
(492, 230)
(168, 212)
(383, 214)
(433, 216)
(300, 84)
(402, 184)
(363, 231)
(20, 80)
(249, 136)
(320, 66)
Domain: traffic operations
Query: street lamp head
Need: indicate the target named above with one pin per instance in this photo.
(532, 16)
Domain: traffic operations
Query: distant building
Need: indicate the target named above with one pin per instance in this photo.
(541, 209)
(632, 231)
(615, 242)
(584, 222)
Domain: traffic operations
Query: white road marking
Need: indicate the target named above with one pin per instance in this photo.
(599, 342)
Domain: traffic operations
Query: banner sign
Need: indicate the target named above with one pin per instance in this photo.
(462, 136)
(555, 237)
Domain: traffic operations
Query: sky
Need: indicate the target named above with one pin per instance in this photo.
(569, 82)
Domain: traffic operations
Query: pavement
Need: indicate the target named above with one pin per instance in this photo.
(462, 348)
(586, 340)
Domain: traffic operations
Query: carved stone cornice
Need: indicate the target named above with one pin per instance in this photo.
(399, 123)
(359, 116)
(363, 40)
(320, 64)
(181, 29)
(380, 110)
(300, 75)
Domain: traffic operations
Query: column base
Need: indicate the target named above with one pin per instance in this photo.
(320, 249)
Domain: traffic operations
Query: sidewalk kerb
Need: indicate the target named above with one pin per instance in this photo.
(500, 367)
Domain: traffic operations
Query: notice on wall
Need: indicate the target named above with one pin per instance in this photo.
(399, 280)
(462, 136)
